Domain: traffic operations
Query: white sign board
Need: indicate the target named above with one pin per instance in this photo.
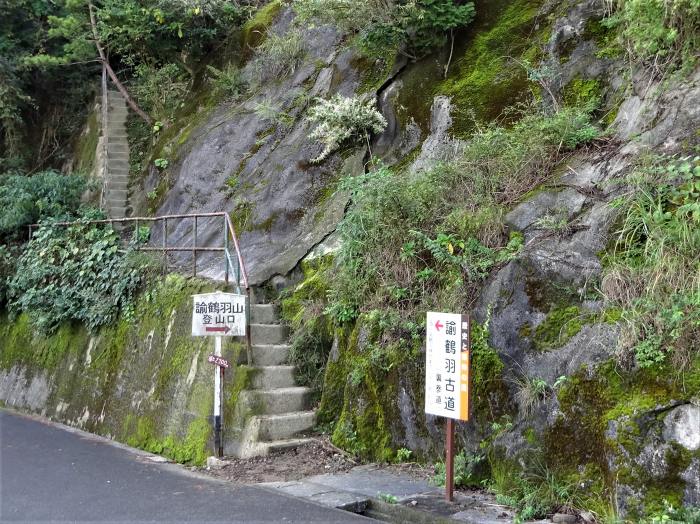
(447, 366)
(218, 314)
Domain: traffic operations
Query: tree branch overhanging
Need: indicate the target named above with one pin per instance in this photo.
(103, 58)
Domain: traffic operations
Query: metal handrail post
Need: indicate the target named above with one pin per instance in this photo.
(226, 259)
(194, 248)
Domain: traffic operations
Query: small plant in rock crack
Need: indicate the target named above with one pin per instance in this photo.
(403, 455)
(530, 393)
(557, 223)
(388, 498)
(342, 119)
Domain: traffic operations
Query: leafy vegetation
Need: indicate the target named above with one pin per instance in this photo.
(227, 83)
(453, 214)
(79, 272)
(652, 273)
(26, 200)
(470, 470)
(658, 33)
(413, 27)
(51, 67)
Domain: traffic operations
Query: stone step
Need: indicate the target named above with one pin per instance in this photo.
(118, 148)
(117, 135)
(118, 179)
(264, 334)
(285, 444)
(116, 119)
(116, 194)
(272, 377)
(119, 164)
(119, 171)
(117, 213)
(267, 355)
(284, 426)
(118, 156)
(264, 314)
(277, 401)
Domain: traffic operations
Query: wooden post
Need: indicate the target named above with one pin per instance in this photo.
(449, 459)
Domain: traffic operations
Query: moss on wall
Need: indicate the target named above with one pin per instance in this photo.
(489, 74)
(86, 147)
(255, 29)
(144, 380)
(606, 419)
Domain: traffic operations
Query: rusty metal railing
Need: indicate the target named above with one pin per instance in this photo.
(235, 271)
(233, 266)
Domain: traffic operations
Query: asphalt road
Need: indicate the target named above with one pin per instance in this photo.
(51, 474)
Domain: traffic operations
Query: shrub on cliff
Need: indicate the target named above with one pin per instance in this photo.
(413, 27)
(341, 119)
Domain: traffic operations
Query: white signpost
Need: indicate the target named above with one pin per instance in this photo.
(448, 376)
(219, 315)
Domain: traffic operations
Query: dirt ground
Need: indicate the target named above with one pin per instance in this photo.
(315, 458)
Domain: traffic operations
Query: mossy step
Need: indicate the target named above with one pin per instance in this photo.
(264, 314)
(278, 401)
(265, 334)
(279, 427)
(267, 355)
(272, 377)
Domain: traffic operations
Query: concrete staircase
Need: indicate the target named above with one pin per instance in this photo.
(272, 413)
(116, 200)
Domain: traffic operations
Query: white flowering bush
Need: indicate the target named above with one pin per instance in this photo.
(341, 119)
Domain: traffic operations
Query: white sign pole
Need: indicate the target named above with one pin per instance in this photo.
(217, 398)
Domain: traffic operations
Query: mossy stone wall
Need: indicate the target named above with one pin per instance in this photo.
(144, 381)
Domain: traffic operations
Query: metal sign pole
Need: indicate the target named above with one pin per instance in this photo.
(449, 459)
(217, 399)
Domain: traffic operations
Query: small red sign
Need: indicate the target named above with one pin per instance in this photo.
(218, 361)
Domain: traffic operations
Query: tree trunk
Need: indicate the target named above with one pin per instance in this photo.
(120, 87)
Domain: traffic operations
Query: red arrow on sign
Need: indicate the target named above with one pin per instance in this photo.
(224, 329)
(439, 325)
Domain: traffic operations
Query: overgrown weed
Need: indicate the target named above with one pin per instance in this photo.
(652, 273)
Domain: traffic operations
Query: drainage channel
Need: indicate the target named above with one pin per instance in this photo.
(395, 513)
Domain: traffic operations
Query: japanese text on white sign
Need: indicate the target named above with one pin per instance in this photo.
(447, 367)
(219, 314)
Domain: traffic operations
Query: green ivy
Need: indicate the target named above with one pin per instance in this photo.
(79, 272)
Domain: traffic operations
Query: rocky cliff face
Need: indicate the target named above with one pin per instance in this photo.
(633, 439)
